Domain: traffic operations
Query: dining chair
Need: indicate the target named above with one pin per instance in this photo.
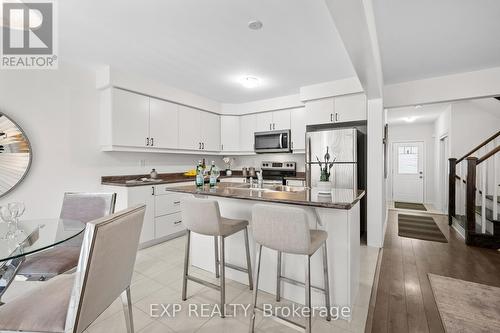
(82, 207)
(70, 303)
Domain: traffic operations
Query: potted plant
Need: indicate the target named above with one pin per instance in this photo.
(324, 185)
(228, 161)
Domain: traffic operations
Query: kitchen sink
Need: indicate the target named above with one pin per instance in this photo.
(271, 187)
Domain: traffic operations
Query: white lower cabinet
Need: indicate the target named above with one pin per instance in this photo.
(168, 225)
(163, 210)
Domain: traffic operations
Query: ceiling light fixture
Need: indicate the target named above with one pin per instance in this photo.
(418, 106)
(255, 25)
(250, 82)
(410, 119)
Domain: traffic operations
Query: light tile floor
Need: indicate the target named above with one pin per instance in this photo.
(157, 279)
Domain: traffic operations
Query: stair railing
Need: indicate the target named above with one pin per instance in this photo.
(476, 170)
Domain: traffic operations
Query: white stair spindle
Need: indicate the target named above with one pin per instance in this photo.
(484, 176)
(495, 186)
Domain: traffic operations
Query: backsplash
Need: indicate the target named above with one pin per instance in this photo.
(256, 160)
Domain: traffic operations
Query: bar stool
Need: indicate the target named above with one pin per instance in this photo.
(286, 230)
(202, 216)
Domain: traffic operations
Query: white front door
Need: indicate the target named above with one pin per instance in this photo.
(408, 172)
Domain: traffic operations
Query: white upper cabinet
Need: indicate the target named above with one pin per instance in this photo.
(230, 133)
(298, 128)
(273, 121)
(264, 122)
(336, 109)
(189, 128)
(163, 124)
(350, 108)
(129, 119)
(320, 111)
(281, 120)
(248, 125)
(210, 131)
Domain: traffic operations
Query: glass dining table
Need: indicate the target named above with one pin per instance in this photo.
(31, 236)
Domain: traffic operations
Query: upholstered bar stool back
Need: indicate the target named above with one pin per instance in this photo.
(284, 229)
(201, 216)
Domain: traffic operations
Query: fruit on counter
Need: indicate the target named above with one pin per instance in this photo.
(190, 173)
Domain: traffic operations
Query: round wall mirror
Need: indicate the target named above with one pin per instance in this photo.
(15, 154)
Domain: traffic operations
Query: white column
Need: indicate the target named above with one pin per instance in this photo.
(376, 204)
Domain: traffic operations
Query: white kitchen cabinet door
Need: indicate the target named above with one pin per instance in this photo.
(210, 131)
(130, 119)
(350, 108)
(320, 111)
(298, 129)
(163, 124)
(144, 195)
(281, 120)
(264, 122)
(189, 128)
(247, 130)
(230, 133)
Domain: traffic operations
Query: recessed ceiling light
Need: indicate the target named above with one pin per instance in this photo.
(418, 106)
(255, 25)
(410, 119)
(250, 82)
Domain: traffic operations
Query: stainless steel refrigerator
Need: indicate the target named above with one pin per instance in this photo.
(342, 145)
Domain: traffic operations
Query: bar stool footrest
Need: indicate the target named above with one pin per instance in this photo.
(203, 282)
(299, 283)
(238, 268)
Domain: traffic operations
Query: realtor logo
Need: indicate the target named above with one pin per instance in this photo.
(28, 35)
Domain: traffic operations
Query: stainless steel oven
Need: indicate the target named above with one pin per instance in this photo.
(272, 142)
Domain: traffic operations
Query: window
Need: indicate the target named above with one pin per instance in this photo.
(408, 160)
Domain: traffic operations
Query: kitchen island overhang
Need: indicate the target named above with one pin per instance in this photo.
(338, 214)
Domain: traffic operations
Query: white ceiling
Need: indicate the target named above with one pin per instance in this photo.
(422, 114)
(427, 38)
(205, 46)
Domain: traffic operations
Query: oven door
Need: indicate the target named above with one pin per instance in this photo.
(272, 142)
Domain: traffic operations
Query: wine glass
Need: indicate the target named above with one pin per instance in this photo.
(17, 210)
(7, 217)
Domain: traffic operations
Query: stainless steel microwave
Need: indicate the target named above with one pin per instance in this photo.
(273, 142)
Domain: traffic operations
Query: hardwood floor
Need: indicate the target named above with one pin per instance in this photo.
(403, 300)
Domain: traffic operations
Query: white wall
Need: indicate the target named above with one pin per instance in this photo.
(59, 111)
(441, 129)
(415, 132)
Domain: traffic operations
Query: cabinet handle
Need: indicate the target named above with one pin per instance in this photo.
(203, 145)
(199, 143)
(152, 142)
(222, 146)
(177, 222)
(274, 126)
(153, 190)
(336, 116)
(147, 141)
(176, 202)
(331, 116)
(270, 126)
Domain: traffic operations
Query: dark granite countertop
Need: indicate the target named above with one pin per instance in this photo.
(163, 178)
(338, 199)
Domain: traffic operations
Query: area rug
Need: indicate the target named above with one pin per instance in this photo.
(419, 227)
(409, 205)
(466, 306)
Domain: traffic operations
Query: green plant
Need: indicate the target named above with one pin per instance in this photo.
(326, 166)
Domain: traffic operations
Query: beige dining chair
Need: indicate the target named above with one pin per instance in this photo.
(71, 302)
(82, 207)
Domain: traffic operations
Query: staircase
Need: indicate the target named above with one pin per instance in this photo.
(474, 201)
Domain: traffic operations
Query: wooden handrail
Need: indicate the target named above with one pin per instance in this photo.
(484, 143)
(491, 153)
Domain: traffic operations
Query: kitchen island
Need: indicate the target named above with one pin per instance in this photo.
(338, 213)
